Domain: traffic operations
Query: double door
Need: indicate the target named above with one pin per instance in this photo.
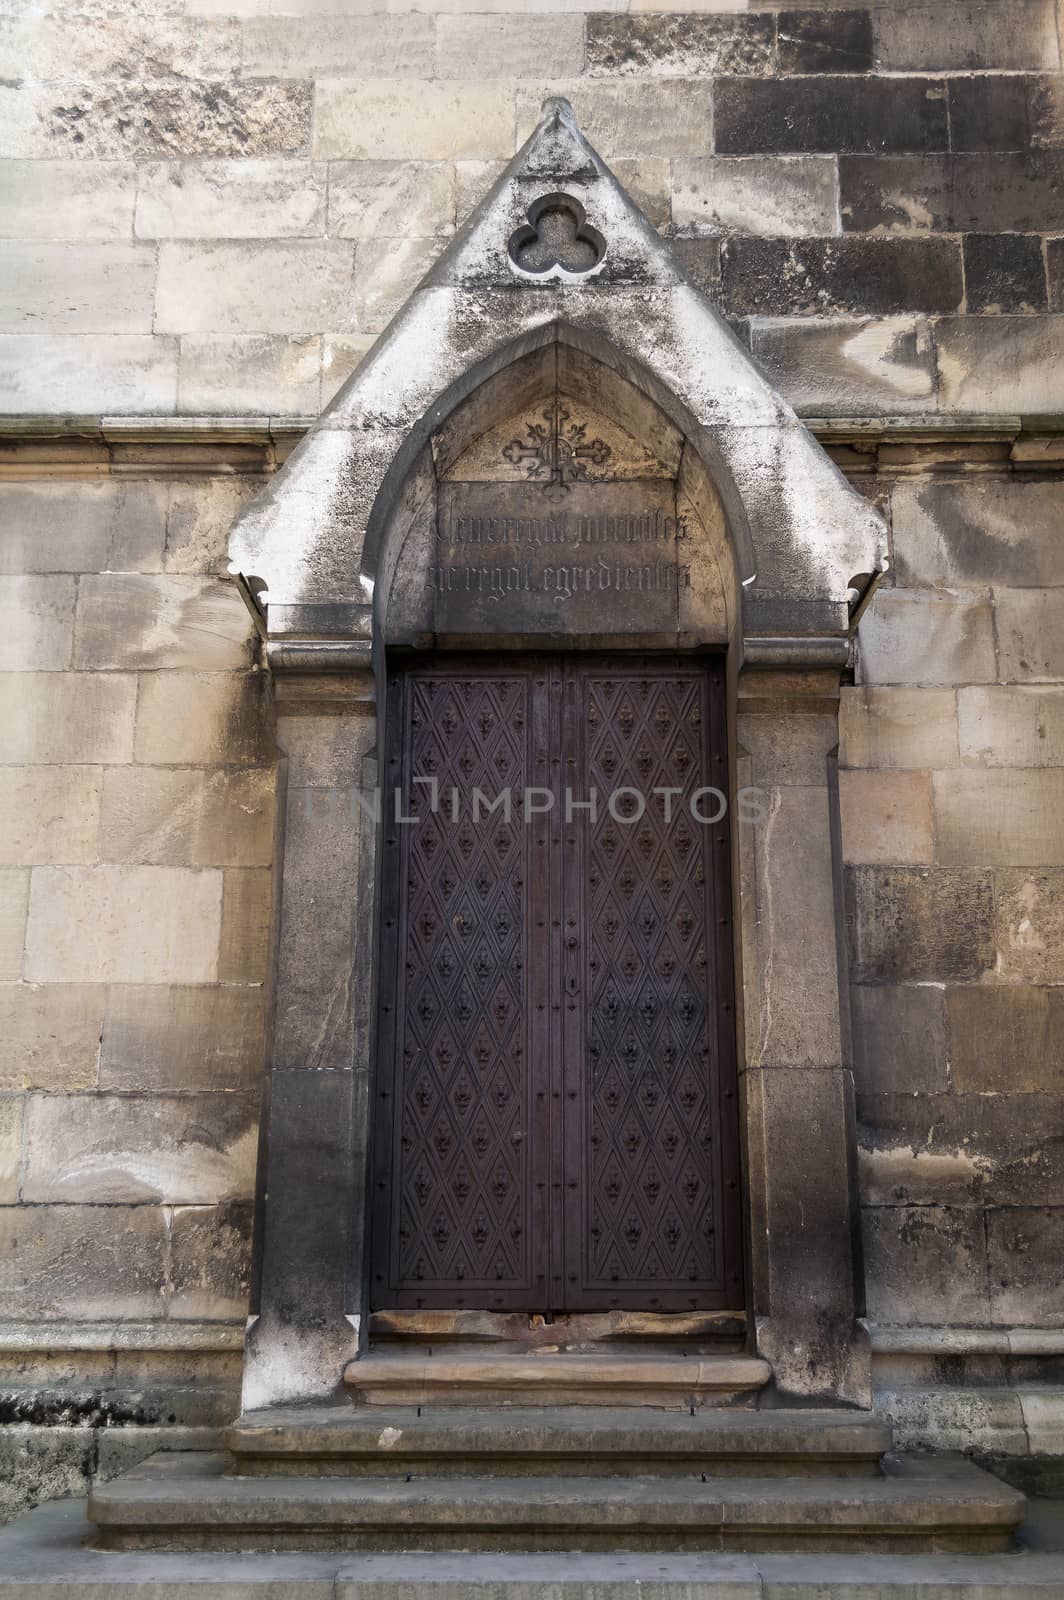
(555, 1097)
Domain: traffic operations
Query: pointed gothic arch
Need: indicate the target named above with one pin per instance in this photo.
(788, 549)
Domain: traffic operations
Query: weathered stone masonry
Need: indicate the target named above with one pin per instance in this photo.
(211, 213)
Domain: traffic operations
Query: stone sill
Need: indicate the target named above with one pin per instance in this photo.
(966, 1341)
(35, 1337)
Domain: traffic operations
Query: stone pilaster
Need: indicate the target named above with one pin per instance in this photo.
(308, 1316)
(795, 1061)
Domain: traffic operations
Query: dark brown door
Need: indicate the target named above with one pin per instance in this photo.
(556, 1117)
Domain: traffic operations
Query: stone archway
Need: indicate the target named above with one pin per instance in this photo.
(338, 558)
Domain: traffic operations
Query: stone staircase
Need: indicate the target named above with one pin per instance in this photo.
(556, 1452)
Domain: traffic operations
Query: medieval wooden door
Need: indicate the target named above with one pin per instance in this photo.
(556, 1121)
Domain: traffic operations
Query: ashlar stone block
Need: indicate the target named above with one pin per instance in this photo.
(66, 717)
(50, 1034)
(200, 515)
(897, 727)
(38, 613)
(925, 1264)
(211, 1261)
(679, 45)
(137, 119)
(123, 924)
(247, 899)
(51, 814)
(14, 903)
(899, 1038)
(80, 200)
(919, 925)
(388, 271)
(385, 44)
(153, 623)
(90, 525)
(11, 1109)
(978, 531)
(86, 374)
(88, 1263)
(963, 34)
(187, 817)
(1000, 818)
(1023, 1245)
(777, 196)
(392, 199)
(1006, 1039)
(181, 1038)
(638, 117)
(1014, 726)
(509, 46)
(1029, 925)
(203, 719)
(268, 198)
(1030, 630)
(273, 286)
(835, 366)
(1001, 364)
(886, 817)
(383, 119)
(921, 637)
(250, 373)
(76, 288)
(109, 1149)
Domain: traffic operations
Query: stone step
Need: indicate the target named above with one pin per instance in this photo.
(337, 1441)
(44, 1556)
(555, 1377)
(185, 1501)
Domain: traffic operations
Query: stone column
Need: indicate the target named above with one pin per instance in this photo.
(307, 1312)
(800, 1137)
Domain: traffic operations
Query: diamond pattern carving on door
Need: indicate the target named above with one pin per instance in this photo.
(556, 1123)
(647, 1074)
(459, 1179)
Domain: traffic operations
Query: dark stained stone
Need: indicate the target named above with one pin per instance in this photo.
(1055, 273)
(925, 1264)
(988, 112)
(210, 1260)
(825, 41)
(1045, 111)
(1010, 193)
(964, 1148)
(878, 276)
(676, 44)
(899, 1038)
(830, 112)
(919, 924)
(700, 259)
(1023, 1245)
(1004, 272)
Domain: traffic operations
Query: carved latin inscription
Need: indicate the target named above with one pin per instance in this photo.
(609, 558)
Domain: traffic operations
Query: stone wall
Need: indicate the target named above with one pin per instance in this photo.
(211, 208)
(215, 205)
(136, 787)
(952, 799)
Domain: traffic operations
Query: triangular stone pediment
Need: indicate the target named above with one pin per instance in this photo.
(558, 254)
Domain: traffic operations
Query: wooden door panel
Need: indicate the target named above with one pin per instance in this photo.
(556, 1119)
(458, 1217)
(651, 1157)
